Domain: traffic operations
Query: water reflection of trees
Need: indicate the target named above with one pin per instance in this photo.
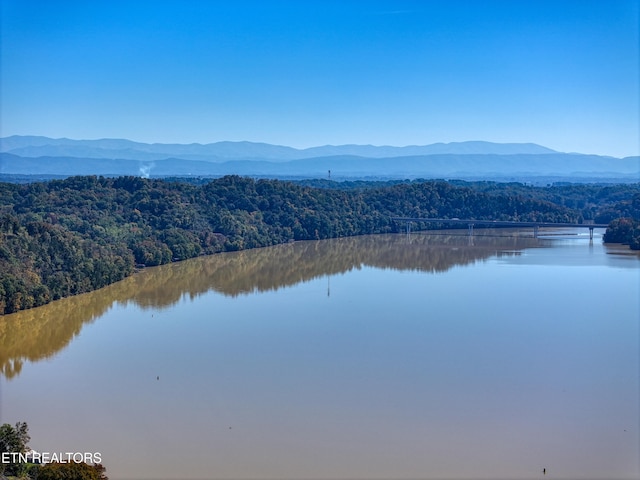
(41, 332)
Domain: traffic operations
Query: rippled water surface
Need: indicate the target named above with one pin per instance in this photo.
(428, 356)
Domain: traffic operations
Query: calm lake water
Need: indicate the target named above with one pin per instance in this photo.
(424, 356)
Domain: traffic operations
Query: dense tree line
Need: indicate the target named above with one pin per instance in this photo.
(64, 237)
(601, 203)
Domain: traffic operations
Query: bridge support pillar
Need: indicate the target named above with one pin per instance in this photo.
(408, 228)
(471, 229)
(535, 231)
(590, 233)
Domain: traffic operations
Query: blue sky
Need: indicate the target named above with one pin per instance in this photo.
(560, 73)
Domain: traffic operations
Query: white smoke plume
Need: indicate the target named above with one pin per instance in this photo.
(145, 169)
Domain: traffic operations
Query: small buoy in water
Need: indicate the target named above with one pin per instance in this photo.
(544, 471)
(158, 378)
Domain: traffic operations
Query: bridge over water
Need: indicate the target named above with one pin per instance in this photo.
(471, 223)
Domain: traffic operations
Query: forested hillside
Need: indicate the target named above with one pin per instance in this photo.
(64, 237)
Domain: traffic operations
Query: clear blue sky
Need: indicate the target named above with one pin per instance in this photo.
(560, 73)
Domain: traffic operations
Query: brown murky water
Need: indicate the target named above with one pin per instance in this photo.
(429, 356)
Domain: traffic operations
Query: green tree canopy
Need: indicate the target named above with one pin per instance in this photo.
(13, 440)
(71, 471)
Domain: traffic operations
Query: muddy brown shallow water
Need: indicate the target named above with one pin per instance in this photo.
(428, 356)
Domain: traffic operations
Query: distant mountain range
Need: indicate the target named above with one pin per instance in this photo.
(29, 155)
(32, 146)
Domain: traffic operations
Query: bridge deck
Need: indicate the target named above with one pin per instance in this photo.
(499, 223)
